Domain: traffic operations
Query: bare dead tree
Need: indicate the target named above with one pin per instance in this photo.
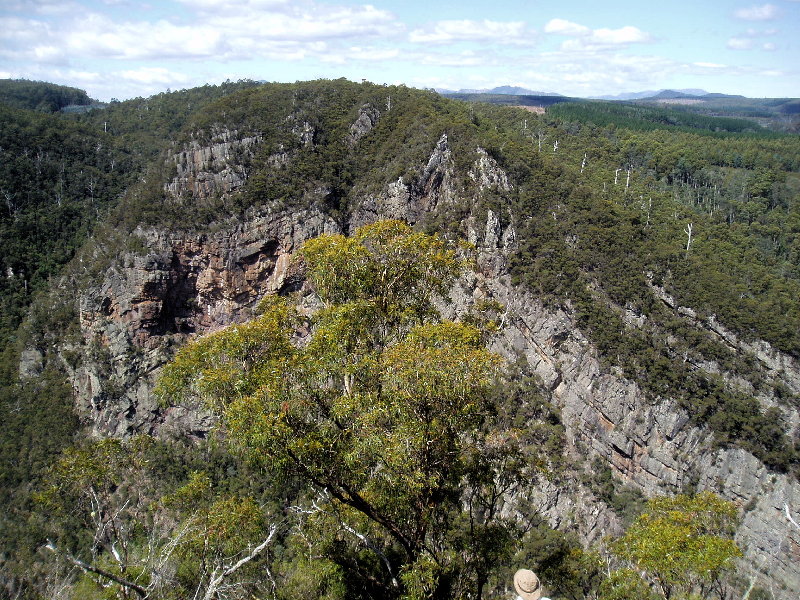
(10, 204)
(688, 231)
(87, 568)
(226, 568)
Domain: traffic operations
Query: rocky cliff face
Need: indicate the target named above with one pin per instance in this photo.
(218, 167)
(185, 284)
(650, 445)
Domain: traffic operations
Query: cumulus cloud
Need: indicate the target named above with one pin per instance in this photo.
(20, 37)
(125, 83)
(238, 30)
(583, 38)
(762, 12)
(497, 32)
(564, 27)
(99, 36)
(623, 35)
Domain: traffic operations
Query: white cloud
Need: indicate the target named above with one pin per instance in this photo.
(99, 36)
(496, 32)
(763, 12)
(585, 39)
(564, 27)
(218, 7)
(747, 40)
(42, 7)
(125, 83)
(739, 43)
(623, 35)
(20, 37)
(709, 65)
(238, 31)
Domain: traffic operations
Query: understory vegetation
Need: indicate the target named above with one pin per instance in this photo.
(341, 469)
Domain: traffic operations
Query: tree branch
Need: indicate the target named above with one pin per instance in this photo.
(140, 591)
(216, 580)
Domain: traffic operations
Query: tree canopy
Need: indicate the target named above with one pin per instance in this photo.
(371, 398)
(682, 544)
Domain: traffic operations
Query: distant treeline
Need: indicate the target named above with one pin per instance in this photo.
(512, 99)
(39, 96)
(645, 118)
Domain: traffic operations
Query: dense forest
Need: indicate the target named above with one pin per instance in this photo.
(339, 468)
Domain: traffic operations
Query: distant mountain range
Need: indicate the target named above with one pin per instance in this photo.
(508, 90)
(661, 94)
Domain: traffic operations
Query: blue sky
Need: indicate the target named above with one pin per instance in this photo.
(125, 48)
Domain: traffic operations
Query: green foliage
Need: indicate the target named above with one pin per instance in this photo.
(350, 410)
(682, 544)
(37, 420)
(139, 510)
(316, 577)
(586, 241)
(384, 264)
(40, 96)
(341, 398)
(626, 584)
(645, 118)
(56, 178)
(625, 500)
(567, 570)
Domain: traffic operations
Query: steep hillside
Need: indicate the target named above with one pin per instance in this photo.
(649, 283)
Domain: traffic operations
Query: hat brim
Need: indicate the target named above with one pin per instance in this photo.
(534, 595)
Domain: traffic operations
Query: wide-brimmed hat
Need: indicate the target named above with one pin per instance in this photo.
(527, 585)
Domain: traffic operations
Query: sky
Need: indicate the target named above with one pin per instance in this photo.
(125, 48)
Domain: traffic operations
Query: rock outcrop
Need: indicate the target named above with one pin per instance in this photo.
(151, 304)
(367, 118)
(217, 168)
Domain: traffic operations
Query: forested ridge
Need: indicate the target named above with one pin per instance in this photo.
(650, 226)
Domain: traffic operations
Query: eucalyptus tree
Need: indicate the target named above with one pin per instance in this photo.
(373, 401)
